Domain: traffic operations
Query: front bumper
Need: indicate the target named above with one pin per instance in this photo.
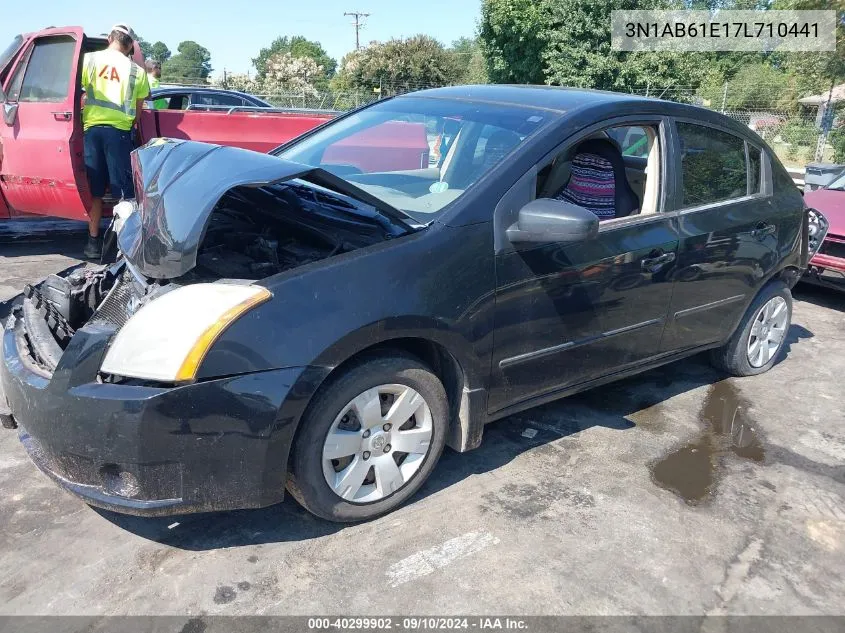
(826, 270)
(214, 445)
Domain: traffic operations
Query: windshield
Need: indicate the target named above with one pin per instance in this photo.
(838, 183)
(9, 52)
(418, 154)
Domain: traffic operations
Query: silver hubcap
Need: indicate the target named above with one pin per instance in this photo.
(377, 443)
(767, 332)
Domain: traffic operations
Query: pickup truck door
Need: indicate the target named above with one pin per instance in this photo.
(42, 169)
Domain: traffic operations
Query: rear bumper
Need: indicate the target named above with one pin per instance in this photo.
(215, 445)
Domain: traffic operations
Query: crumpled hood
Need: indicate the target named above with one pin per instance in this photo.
(179, 183)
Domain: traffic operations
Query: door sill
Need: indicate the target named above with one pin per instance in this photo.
(563, 392)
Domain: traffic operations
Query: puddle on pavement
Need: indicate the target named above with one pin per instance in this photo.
(692, 471)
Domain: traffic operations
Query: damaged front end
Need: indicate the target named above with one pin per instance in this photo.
(101, 364)
(205, 215)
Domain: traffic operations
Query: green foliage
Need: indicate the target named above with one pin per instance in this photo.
(815, 72)
(191, 62)
(578, 50)
(297, 46)
(469, 60)
(146, 47)
(159, 52)
(398, 65)
(754, 87)
(512, 34)
(837, 141)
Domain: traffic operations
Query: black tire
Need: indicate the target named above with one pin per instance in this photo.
(732, 357)
(306, 481)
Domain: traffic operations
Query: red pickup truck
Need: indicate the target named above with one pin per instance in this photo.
(42, 167)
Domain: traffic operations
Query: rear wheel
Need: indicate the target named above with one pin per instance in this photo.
(369, 440)
(758, 341)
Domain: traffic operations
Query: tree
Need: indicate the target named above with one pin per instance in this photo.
(758, 86)
(399, 65)
(146, 47)
(191, 62)
(816, 72)
(158, 52)
(578, 50)
(512, 38)
(469, 59)
(297, 47)
(285, 73)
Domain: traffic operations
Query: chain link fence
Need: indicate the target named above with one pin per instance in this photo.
(795, 131)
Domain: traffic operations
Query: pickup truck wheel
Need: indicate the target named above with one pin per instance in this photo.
(369, 439)
(758, 340)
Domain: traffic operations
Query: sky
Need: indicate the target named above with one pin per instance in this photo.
(235, 31)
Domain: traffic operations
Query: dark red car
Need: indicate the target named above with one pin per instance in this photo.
(827, 268)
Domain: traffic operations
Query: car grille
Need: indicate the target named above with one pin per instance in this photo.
(833, 249)
(113, 310)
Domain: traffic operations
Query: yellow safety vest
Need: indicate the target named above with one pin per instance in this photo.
(158, 104)
(113, 84)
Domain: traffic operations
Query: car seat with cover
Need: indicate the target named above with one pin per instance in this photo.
(597, 181)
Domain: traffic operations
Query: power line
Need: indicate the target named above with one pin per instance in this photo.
(358, 24)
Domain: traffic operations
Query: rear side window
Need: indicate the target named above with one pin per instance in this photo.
(47, 75)
(217, 100)
(712, 165)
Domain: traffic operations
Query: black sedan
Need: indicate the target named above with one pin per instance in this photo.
(308, 321)
(199, 98)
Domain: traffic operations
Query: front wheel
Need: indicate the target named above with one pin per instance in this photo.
(758, 341)
(369, 440)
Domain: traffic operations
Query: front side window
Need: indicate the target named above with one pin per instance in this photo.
(712, 165)
(632, 140)
(418, 154)
(47, 76)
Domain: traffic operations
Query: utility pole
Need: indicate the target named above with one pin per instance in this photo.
(358, 24)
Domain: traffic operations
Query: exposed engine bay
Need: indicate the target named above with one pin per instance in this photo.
(252, 233)
(257, 232)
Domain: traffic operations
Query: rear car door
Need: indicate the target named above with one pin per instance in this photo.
(42, 169)
(567, 314)
(729, 225)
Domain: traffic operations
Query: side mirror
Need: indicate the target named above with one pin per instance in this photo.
(10, 113)
(548, 220)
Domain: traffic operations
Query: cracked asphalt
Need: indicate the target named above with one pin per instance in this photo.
(677, 492)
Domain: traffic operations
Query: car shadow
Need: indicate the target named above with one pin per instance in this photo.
(820, 296)
(612, 406)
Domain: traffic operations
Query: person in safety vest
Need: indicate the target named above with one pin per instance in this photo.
(154, 77)
(115, 89)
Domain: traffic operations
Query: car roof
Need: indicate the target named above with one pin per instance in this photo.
(200, 90)
(547, 97)
(567, 100)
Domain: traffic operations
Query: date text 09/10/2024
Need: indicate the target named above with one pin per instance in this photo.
(419, 623)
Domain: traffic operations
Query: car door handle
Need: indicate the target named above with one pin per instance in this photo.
(653, 264)
(62, 116)
(763, 230)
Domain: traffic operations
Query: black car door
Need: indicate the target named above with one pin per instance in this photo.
(569, 313)
(729, 226)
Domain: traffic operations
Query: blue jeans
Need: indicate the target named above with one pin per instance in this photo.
(107, 152)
